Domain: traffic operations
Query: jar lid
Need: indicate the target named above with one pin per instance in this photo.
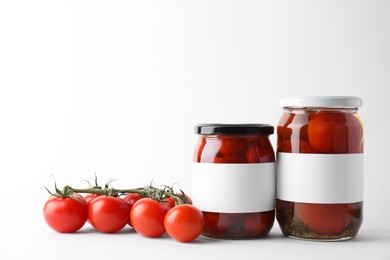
(234, 129)
(321, 101)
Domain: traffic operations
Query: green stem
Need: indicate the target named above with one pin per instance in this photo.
(148, 192)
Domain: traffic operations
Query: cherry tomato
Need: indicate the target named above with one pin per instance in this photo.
(172, 203)
(220, 160)
(147, 217)
(210, 150)
(324, 218)
(217, 223)
(259, 223)
(66, 215)
(88, 198)
(131, 199)
(230, 145)
(259, 151)
(108, 214)
(184, 222)
(198, 150)
(295, 146)
(335, 133)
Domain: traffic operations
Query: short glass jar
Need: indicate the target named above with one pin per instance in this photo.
(234, 179)
(320, 168)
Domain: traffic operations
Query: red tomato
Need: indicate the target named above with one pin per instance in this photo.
(209, 151)
(220, 160)
(217, 222)
(198, 150)
(89, 197)
(147, 217)
(324, 218)
(172, 202)
(131, 199)
(259, 223)
(66, 215)
(335, 133)
(230, 145)
(260, 151)
(108, 214)
(295, 146)
(184, 222)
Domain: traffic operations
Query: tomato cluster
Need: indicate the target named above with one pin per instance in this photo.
(109, 214)
(320, 133)
(236, 149)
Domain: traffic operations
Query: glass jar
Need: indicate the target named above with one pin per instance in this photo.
(320, 168)
(234, 179)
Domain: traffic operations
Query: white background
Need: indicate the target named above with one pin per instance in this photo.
(115, 87)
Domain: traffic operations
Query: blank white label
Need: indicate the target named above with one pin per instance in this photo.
(233, 188)
(320, 178)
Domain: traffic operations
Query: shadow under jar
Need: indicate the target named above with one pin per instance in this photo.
(234, 180)
(320, 168)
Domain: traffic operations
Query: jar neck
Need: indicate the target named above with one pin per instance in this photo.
(304, 110)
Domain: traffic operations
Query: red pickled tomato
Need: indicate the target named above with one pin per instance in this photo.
(210, 151)
(295, 146)
(324, 218)
(258, 223)
(260, 151)
(199, 149)
(230, 145)
(217, 222)
(335, 133)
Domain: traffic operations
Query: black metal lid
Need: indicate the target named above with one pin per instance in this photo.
(234, 129)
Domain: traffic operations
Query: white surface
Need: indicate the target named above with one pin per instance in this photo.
(215, 187)
(320, 178)
(115, 87)
(321, 101)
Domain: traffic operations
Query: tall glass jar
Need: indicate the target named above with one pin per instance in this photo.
(320, 168)
(234, 179)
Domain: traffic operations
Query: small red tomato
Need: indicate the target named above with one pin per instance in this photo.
(172, 202)
(147, 217)
(230, 144)
(260, 151)
(218, 223)
(199, 149)
(209, 151)
(184, 222)
(131, 199)
(108, 214)
(88, 198)
(259, 223)
(295, 146)
(324, 218)
(335, 133)
(66, 215)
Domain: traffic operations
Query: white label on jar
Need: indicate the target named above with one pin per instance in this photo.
(319, 178)
(233, 188)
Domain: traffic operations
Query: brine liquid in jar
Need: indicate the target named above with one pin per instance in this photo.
(320, 168)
